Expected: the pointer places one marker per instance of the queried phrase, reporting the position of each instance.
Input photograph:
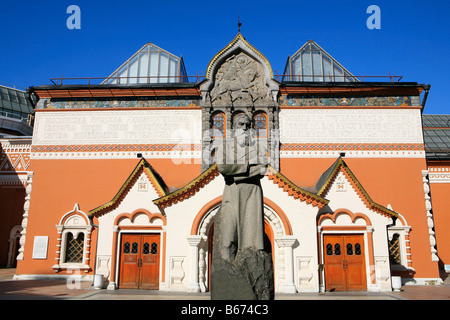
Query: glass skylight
(14, 103)
(150, 64)
(313, 64)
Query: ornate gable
(143, 167)
(209, 175)
(333, 176)
(239, 76)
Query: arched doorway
(138, 249)
(13, 252)
(276, 226)
(346, 251)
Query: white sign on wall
(117, 127)
(40, 247)
(350, 126)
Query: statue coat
(241, 214)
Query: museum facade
(122, 179)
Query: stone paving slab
(62, 290)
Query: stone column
(26, 208)
(287, 242)
(194, 241)
(112, 284)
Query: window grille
(394, 249)
(74, 248)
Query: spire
(239, 24)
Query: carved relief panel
(240, 82)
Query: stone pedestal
(248, 277)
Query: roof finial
(239, 23)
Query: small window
(329, 249)
(146, 248)
(74, 248)
(260, 125)
(154, 248)
(337, 249)
(349, 249)
(134, 247)
(394, 249)
(218, 125)
(357, 249)
(126, 247)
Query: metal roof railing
(331, 78)
(126, 80)
(166, 79)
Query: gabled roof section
(188, 190)
(210, 174)
(142, 166)
(325, 181)
(151, 64)
(235, 58)
(239, 38)
(311, 63)
(295, 191)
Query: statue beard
(242, 138)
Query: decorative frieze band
(117, 151)
(351, 150)
(350, 147)
(57, 104)
(193, 151)
(350, 101)
(439, 175)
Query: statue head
(242, 129)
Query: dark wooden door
(344, 262)
(139, 261)
(149, 277)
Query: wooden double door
(344, 262)
(139, 261)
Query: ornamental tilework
(109, 104)
(350, 146)
(117, 148)
(349, 101)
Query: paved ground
(59, 290)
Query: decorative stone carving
(305, 274)
(430, 220)
(26, 208)
(239, 79)
(177, 272)
(240, 82)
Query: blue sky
(413, 40)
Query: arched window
(260, 124)
(73, 242)
(218, 125)
(394, 249)
(399, 245)
(74, 248)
